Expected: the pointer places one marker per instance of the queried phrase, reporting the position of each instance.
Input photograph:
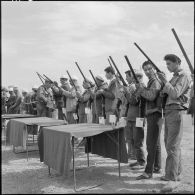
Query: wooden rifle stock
(123, 81)
(183, 51)
(129, 64)
(157, 69)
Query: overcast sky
(48, 37)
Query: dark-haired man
(153, 115)
(134, 135)
(177, 90)
(109, 93)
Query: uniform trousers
(135, 138)
(153, 145)
(172, 139)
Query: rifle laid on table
(183, 51)
(102, 96)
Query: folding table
(20, 128)
(6, 117)
(58, 148)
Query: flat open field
(20, 176)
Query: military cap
(4, 89)
(24, 91)
(74, 78)
(63, 77)
(35, 87)
(11, 89)
(99, 78)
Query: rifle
(71, 80)
(123, 81)
(129, 64)
(94, 78)
(157, 69)
(40, 77)
(80, 71)
(183, 51)
(103, 98)
(51, 81)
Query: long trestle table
(57, 145)
(20, 128)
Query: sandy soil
(20, 176)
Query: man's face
(108, 75)
(63, 81)
(47, 84)
(86, 85)
(128, 78)
(74, 81)
(172, 66)
(149, 70)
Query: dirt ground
(20, 176)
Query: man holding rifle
(109, 93)
(134, 135)
(153, 115)
(98, 103)
(45, 100)
(177, 89)
(84, 100)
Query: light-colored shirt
(177, 88)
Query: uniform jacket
(110, 96)
(151, 95)
(178, 90)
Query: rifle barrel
(71, 80)
(80, 70)
(40, 77)
(123, 81)
(129, 64)
(183, 51)
(157, 69)
(94, 78)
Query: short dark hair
(172, 58)
(128, 72)
(109, 69)
(146, 63)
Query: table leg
(49, 170)
(119, 167)
(87, 152)
(27, 143)
(73, 162)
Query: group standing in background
(102, 99)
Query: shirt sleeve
(41, 95)
(152, 92)
(177, 90)
(110, 92)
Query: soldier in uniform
(60, 98)
(4, 100)
(98, 104)
(45, 100)
(84, 100)
(134, 135)
(71, 101)
(15, 108)
(109, 93)
(25, 104)
(11, 100)
(33, 101)
(177, 90)
(153, 115)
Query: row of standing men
(135, 100)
